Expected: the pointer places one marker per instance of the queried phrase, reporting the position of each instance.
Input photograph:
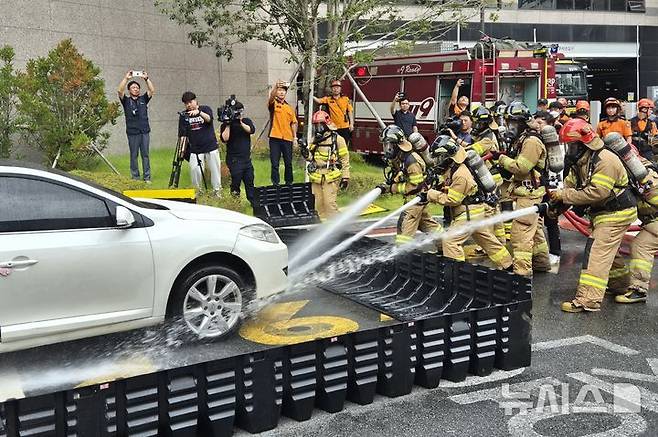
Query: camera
(231, 110)
(453, 123)
(401, 96)
(137, 73)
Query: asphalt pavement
(591, 373)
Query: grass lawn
(364, 177)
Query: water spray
(347, 243)
(315, 238)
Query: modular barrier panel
(286, 205)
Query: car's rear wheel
(210, 300)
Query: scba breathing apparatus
(445, 151)
(321, 132)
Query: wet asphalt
(579, 363)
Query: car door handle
(18, 264)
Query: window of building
(583, 5)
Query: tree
(294, 26)
(63, 101)
(8, 101)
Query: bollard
(332, 374)
(299, 381)
(363, 360)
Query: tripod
(179, 155)
(203, 176)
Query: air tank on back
(421, 147)
(553, 149)
(480, 171)
(615, 142)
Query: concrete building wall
(120, 35)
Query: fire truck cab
(427, 80)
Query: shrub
(8, 101)
(63, 100)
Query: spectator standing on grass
(196, 123)
(237, 136)
(283, 132)
(135, 108)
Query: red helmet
(645, 103)
(577, 129)
(582, 104)
(611, 101)
(320, 117)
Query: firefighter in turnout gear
(597, 180)
(406, 177)
(485, 140)
(328, 164)
(461, 193)
(645, 244)
(644, 130)
(526, 161)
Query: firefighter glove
(344, 183)
(422, 196)
(495, 154)
(555, 195)
(542, 209)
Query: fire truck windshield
(571, 84)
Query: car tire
(214, 314)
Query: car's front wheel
(210, 300)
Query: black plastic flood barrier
(251, 391)
(286, 205)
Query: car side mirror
(125, 218)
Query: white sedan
(78, 260)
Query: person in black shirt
(196, 123)
(137, 122)
(403, 117)
(237, 136)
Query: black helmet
(445, 152)
(517, 111)
(482, 118)
(391, 138)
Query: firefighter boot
(632, 296)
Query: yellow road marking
(275, 325)
(384, 318)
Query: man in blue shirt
(137, 121)
(403, 117)
(237, 136)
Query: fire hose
(582, 226)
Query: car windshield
(571, 83)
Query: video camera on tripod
(453, 123)
(231, 111)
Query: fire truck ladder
(489, 81)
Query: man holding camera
(137, 121)
(340, 110)
(403, 117)
(196, 123)
(283, 133)
(236, 133)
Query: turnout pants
(601, 255)
(413, 219)
(485, 238)
(498, 228)
(325, 197)
(643, 250)
(528, 241)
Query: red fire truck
(428, 80)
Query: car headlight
(260, 232)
